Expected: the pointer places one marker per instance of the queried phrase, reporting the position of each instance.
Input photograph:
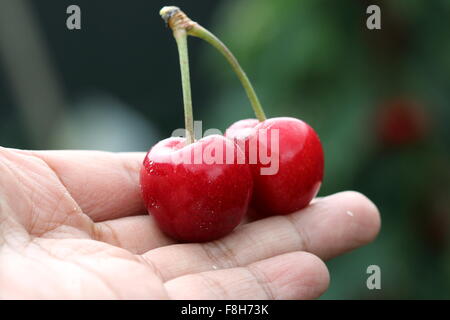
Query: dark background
(379, 100)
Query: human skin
(73, 226)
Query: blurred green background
(379, 100)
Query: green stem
(178, 20)
(181, 39)
(202, 33)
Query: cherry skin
(195, 200)
(300, 163)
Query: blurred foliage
(123, 51)
(316, 60)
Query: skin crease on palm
(73, 226)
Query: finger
(105, 185)
(297, 275)
(136, 234)
(328, 227)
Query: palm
(72, 225)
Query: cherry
(295, 173)
(191, 201)
(401, 122)
(296, 148)
(191, 188)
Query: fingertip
(316, 279)
(339, 223)
(297, 275)
(365, 212)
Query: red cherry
(195, 200)
(401, 122)
(295, 178)
(300, 163)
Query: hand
(73, 226)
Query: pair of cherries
(196, 199)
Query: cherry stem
(177, 19)
(202, 33)
(181, 39)
(180, 36)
